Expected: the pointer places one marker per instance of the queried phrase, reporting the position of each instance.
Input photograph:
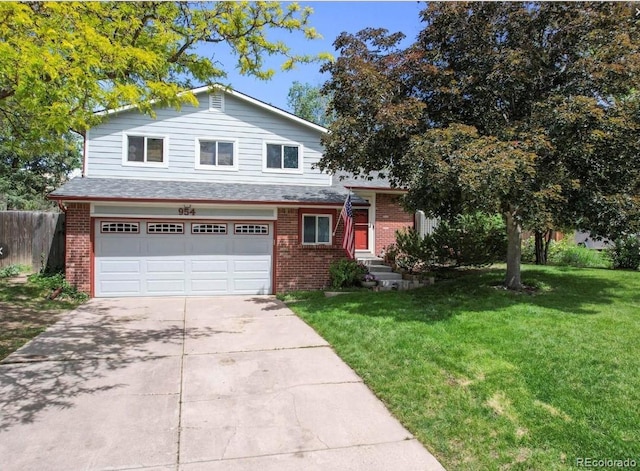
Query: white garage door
(156, 258)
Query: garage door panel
(251, 286)
(210, 266)
(209, 244)
(182, 264)
(256, 245)
(163, 266)
(209, 287)
(175, 286)
(119, 287)
(118, 246)
(251, 266)
(165, 245)
(119, 266)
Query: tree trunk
(543, 240)
(541, 258)
(514, 249)
(547, 243)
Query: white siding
(243, 122)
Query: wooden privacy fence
(32, 238)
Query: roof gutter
(378, 189)
(88, 199)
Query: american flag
(348, 239)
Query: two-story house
(222, 198)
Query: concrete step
(379, 268)
(387, 276)
(370, 260)
(400, 285)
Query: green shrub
(471, 240)
(565, 252)
(414, 253)
(582, 257)
(625, 252)
(345, 273)
(529, 250)
(390, 253)
(9, 271)
(54, 281)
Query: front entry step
(386, 277)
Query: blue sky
(329, 19)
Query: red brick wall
(298, 266)
(78, 246)
(390, 216)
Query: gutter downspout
(84, 154)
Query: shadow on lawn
(76, 356)
(570, 292)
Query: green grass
(567, 253)
(490, 379)
(26, 312)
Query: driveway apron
(224, 383)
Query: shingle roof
(149, 190)
(343, 179)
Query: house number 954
(186, 211)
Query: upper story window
(282, 158)
(219, 154)
(316, 229)
(145, 150)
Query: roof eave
(89, 199)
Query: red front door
(361, 223)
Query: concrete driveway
(225, 383)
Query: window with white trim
(165, 228)
(145, 150)
(216, 154)
(283, 157)
(261, 229)
(316, 229)
(208, 228)
(120, 227)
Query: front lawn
(489, 379)
(25, 311)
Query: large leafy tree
(525, 109)
(62, 61)
(26, 177)
(308, 102)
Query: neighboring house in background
(222, 198)
(590, 242)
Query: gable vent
(216, 101)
